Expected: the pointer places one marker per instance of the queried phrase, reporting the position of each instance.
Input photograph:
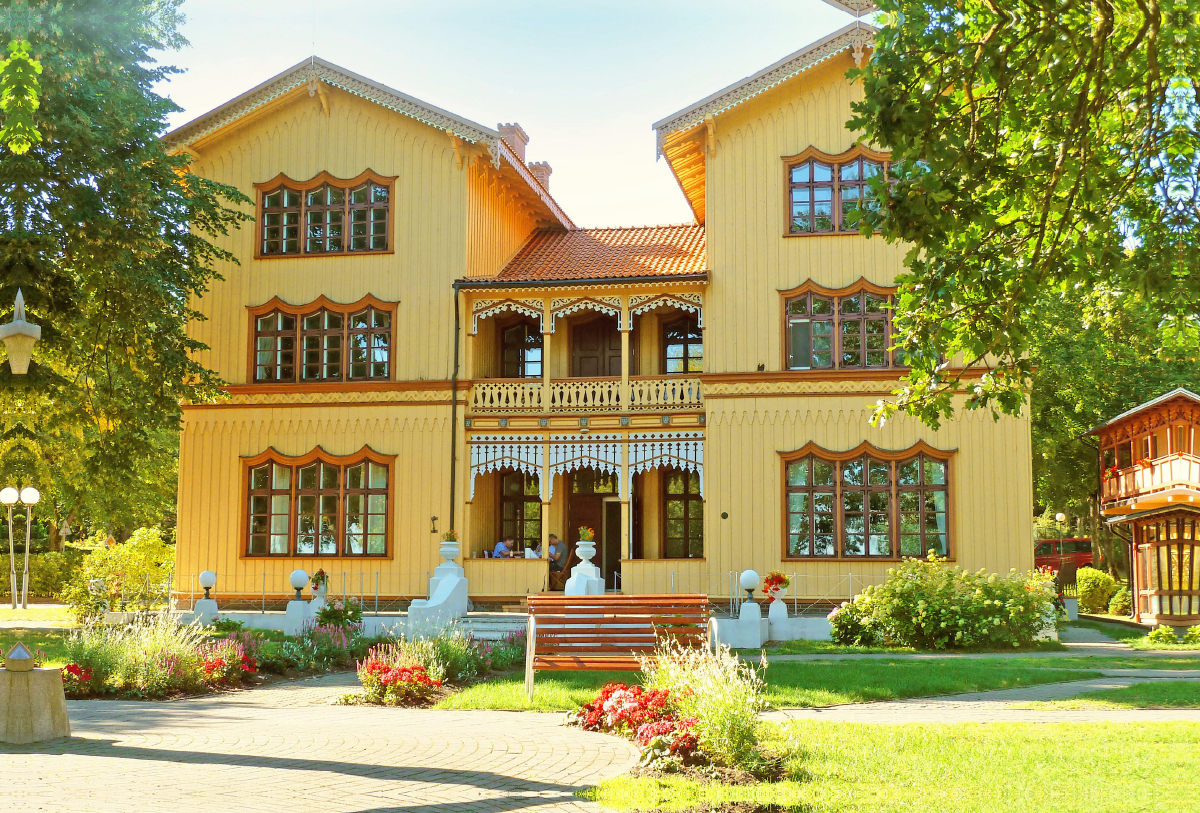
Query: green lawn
(37, 613)
(49, 641)
(805, 647)
(961, 768)
(1157, 694)
(1131, 661)
(1117, 632)
(789, 684)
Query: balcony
(1156, 481)
(590, 395)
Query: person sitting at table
(558, 554)
(504, 548)
(534, 551)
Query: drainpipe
(454, 411)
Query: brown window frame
(304, 189)
(522, 503)
(347, 311)
(691, 328)
(687, 498)
(523, 364)
(294, 492)
(856, 156)
(809, 292)
(864, 453)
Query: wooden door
(611, 559)
(596, 349)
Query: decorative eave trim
(323, 177)
(866, 447)
(499, 285)
(857, 36)
(315, 67)
(270, 454)
(504, 151)
(861, 284)
(322, 302)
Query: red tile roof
(641, 251)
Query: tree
(1039, 148)
(110, 239)
(1094, 357)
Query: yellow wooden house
(419, 338)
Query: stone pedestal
(33, 706)
(205, 610)
(748, 631)
(298, 614)
(447, 595)
(585, 579)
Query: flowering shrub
(77, 680)
(396, 685)
(1163, 634)
(669, 743)
(720, 692)
(502, 654)
(324, 646)
(623, 709)
(1096, 589)
(1192, 636)
(339, 613)
(225, 662)
(928, 605)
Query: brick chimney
(541, 170)
(515, 137)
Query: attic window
(823, 190)
(325, 215)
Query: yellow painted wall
(211, 489)
(497, 225)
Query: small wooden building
(1150, 475)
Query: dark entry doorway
(596, 349)
(610, 560)
(592, 502)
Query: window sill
(326, 255)
(853, 559)
(807, 234)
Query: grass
(37, 613)
(1117, 632)
(789, 685)
(50, 641)
(1156, 694)
(1150, 646)
(960, 768)
(805, 647)
(1132, 661)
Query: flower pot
(776, 593)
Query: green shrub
(1192, 636)
(1096, 588)
(927, 605)
(722, 692)
(324, 646)
(1121, 603)
(49, 573)
(339, 613)
(133, 575)
(154, 658)
(1163, 634)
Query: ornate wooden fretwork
(653, 450)
(483, 308)
(610, 305)
(690, 302)
(571, 452)
(497, 452)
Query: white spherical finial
(30, 495)
(1060, 517)
(208, 579)
(298, 579)
(9, 496)
(749, 580)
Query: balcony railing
(584, 394)
(671, 392)
(1148, 476)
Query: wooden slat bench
(594, 633)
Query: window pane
(822, 473)
(852, 472)
(907, 473)
(801, 173)
(800, 345)
(822, 173)
(935, 472)
(798, 473)
(822, 306)
(849, 171)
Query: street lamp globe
(208, 580)
(30, 495)
(9, 496)
(1060, 517)
(298, 580)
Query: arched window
(812, 196)
(325, 215)
(281, 221)
(368, 217)
(275, 347)
(849, 328)
(824, 190)
(322, 341)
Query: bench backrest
(609, 625)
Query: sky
(586, 80)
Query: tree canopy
(110, 238)
(1040, 149)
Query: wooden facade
(652, 383)
(1150, 487)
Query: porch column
(626, 489)
(544, 483)
(626, 326)
(546, 316)
(464, 534)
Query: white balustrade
(585, 395)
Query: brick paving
(285, 747)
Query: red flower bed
(623, 709)
(396, 685)
(77, 680)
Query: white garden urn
(585, 577)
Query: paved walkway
(285, 748)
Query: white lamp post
(19, 336)
(9, 497)
(30, 497)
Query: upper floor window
(521, 351)
(824, 189)
(318, 506)
(865, 506)
(325, 215)
(849, 329)
(330, 343)
(683, 346)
